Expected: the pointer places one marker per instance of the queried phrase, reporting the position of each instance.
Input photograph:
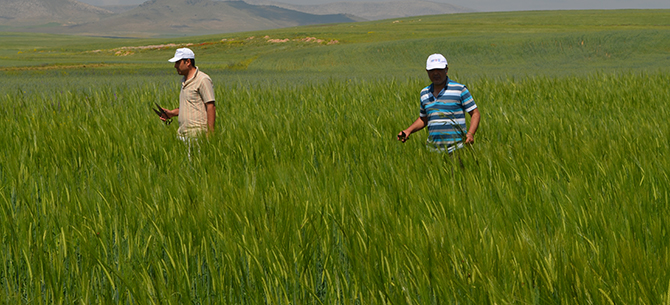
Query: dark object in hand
(402, 137)
(162, 114)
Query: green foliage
(303, 195)
(496, 45)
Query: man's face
(182, 66)
(438, 76)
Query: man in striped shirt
(443, 107)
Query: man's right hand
(170, 113)
(402, 136)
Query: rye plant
(303, 195)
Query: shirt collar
(185, 82)
(432, 86)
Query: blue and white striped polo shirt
(446, 114)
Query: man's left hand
(469, 139)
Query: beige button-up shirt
(195, 93)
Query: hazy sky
(484, 5)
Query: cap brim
(174, 59)
(436, 67)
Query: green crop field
(303, 195)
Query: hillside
(488, 43)
(192, 17)
(118, 8)
(374, 10)
(171, 18)
(34, 12)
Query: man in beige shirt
(197, 109)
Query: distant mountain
(31, 12)
(186, 17)
(373, 10)
(196, 17)
(118, 8)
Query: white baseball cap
(183, 53)
(436, 61)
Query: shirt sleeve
(422, 105)
(207, 90)
(467, 101)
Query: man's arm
(419, 124)
(211, 116)
(474, 124)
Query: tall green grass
(303, 196)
